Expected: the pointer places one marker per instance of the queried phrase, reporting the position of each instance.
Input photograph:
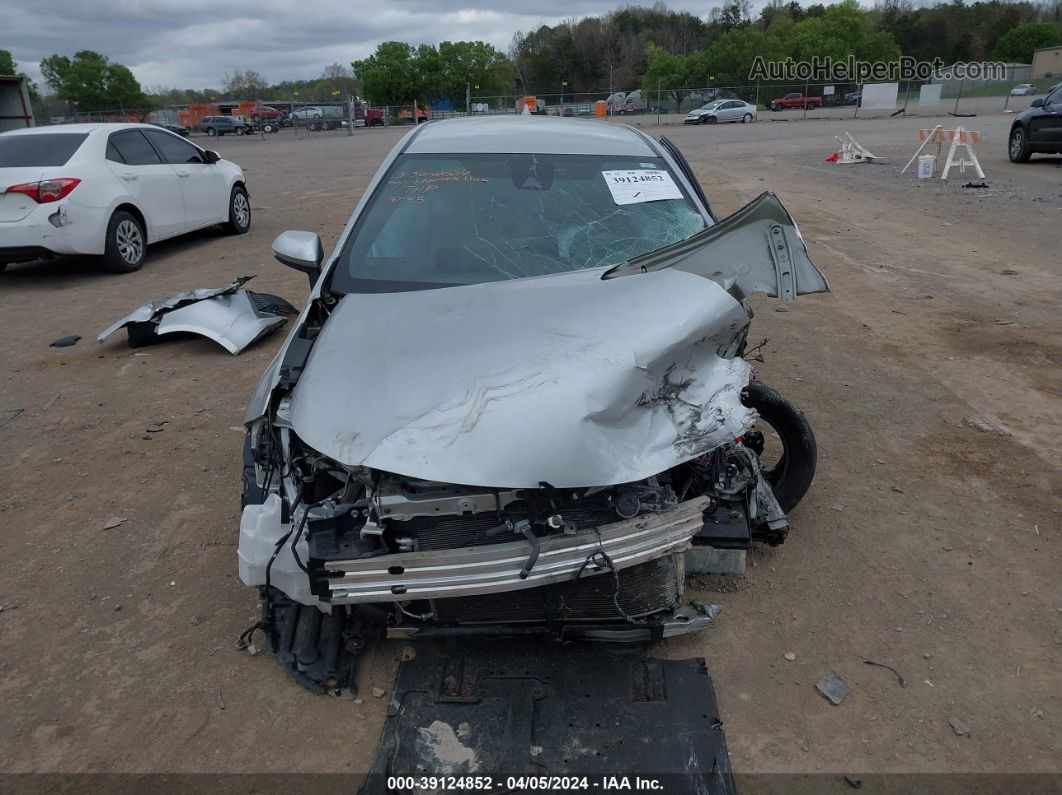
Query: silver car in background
(719, 110)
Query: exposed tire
(239, 211)
(713, 119)
(1018, 146)
(811, 106)
(126, 244)
(268, 128)
(792, 474)
(211, 132)
(746, 119)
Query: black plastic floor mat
(506, 711)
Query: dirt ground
(930, 540)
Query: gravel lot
(930, 540)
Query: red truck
(795, 101)
(364, 116)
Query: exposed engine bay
(614, 429)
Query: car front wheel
(126, 244)
(790, 474)
(239, 211)
(1018, 148)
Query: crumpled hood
(569, 380)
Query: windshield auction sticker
(641, 185)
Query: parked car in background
(719, 110)
(110, 190)
(1023, 90)
(266, 113)
(178, 129)
(309, 112)
(795, 100)
(219, 125)
(1037, 129)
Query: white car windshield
(711, 105)
(450, 219)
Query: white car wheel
(746, 119)
(125, 244)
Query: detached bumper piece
(230, 316)
(516, 710)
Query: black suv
(1038, 129)
(219, 125)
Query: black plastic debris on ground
(508, 709)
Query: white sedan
(722, 110)
(110, 190)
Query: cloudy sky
(194, 43)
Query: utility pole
(611, 95)
(468, 99)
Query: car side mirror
(301, 251)
(1037, 103)
(212, 157)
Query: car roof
(519, 134)
(84, 127)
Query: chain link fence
(662, 106)
(808, 99)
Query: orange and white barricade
(960, 153)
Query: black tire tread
(112, 261)
(231, 226)
(795, 471)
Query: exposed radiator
(645, 588)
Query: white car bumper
(55, 228)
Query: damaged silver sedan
(516, 402)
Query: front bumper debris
(229, 315)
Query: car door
(732, 109)
(204, 187)
(151, 183)
(1045, 127)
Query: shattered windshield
(443, 220)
